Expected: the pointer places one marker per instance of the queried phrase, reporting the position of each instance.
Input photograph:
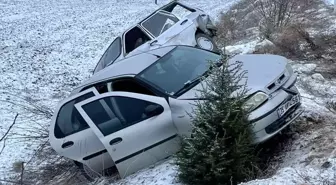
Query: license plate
(289, 104)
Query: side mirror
(153, 110)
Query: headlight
(255, 101)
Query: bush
(289, 41)
(219, 150)
(295, 42)
(275, 15)
(237, 23)
(331, 105)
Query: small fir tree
(219, 150)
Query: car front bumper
(266, 123)
(277, 125)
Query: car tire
(205, 42)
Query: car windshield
(160, 22)
(175, 70)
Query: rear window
(68, 120)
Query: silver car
(173, 24)
(132, 113)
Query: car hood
(262, 70)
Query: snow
(304, 175)
(163, 173)
(242, 48)
(49, 47)
(331, 2)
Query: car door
(137, 130)
(160, 18)
(71, 136)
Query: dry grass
(304, 37)
(331, 105)
(45, 165)
(240, 22)
(290, 24)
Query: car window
(171, 72)
(159, 22)
(120, 112)
(68, 120)
(110, 55)
(134, 38)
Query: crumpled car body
(173, 24)
(133, 113)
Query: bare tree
(275, 14)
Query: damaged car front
(173, 24)
(178, 24)
(273, 99)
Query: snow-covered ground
(48, 47)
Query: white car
(172, 24)
(132, 113)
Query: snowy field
(49, 47)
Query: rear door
(137, 130)
(71, 136)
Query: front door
(137, 130)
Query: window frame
(175, 4)
(182, 6)
(79, 107)
(163, 12)
(62, 104)
(149, 86)
(124, 37)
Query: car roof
(129, 66)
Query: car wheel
(205, 42)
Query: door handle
(67, 144)
(183, 22)
(115, 141)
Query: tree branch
(10, 127)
